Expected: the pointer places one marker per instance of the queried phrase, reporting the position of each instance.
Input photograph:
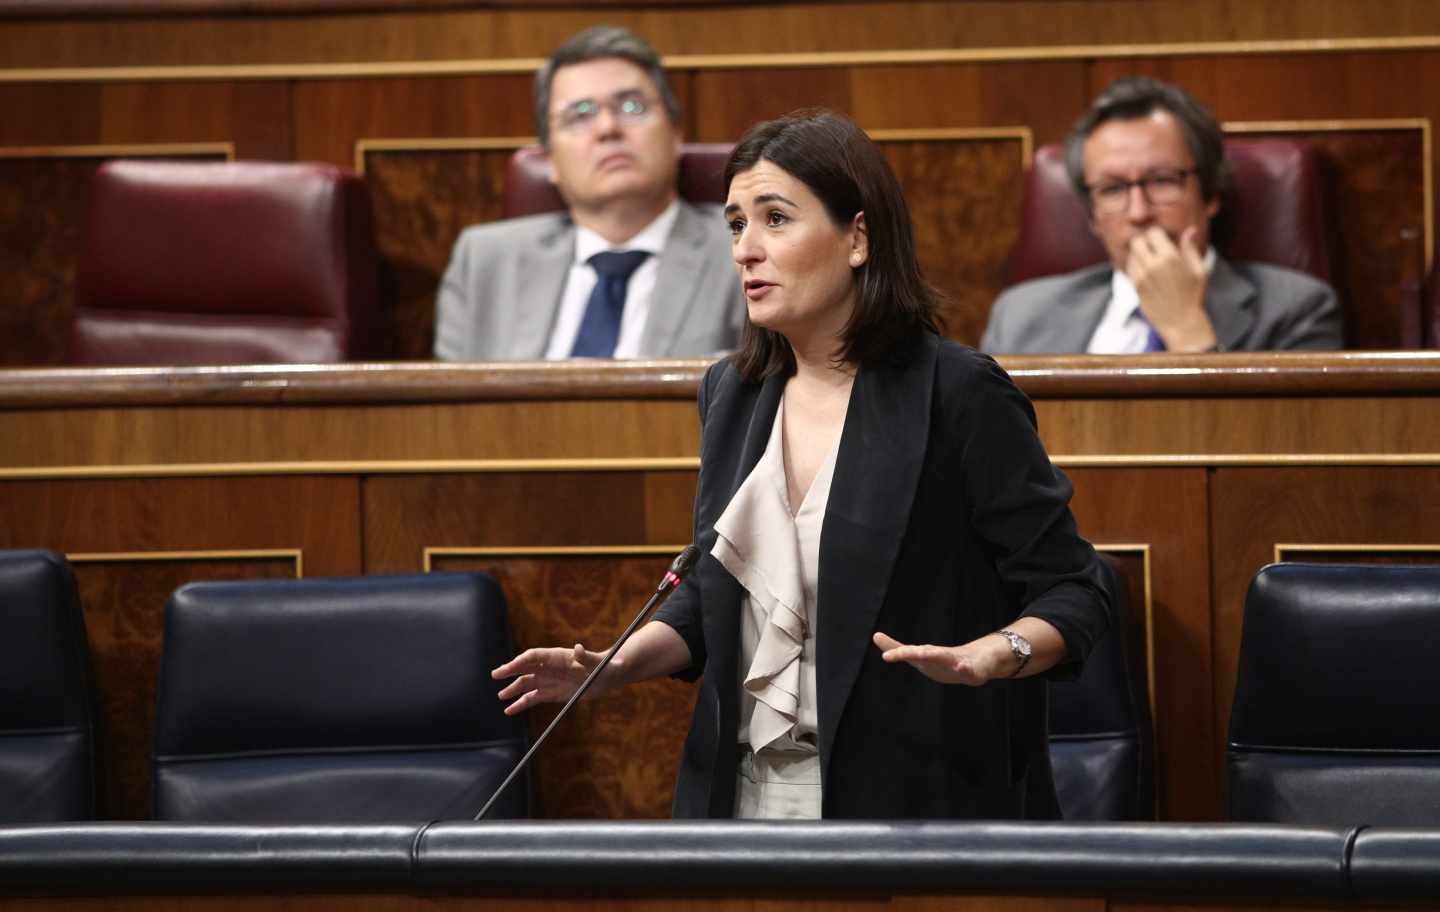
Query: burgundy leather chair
(1274, 213)
(528, 190)
(226, 263)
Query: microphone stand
(679, 569)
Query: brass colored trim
(443, 144)
(1143, 549)
(269, 71)
(120, 150)
(358, 467)
(1282, 548)
(1357, 125)
(100, 557)
(1230, 460)
(1024, 134)
(430, 553)
(658, 464)
(528, 65)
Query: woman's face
(796, 265)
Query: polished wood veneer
(573, 482)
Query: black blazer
(945, 522)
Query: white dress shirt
(1120, 330)
(638, 292)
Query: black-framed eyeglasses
(1160, 188)
(579, 116)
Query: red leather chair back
(528, 190)
(1274, 213)
(226, 263)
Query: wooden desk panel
(1192, 468)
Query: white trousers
(778, 785)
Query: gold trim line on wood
(527, 65)
(1231, 460)
(1143, 549)
(428, 554)
(442, 144)
(659, 464)
(98, 557)
(118, 150)
(1356, 125)
(359, 467)
(1312, 547)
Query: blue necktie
(1153, 342)
(600, 327)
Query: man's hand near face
(1171, 281)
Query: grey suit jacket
(1253, 307)
(501, 292)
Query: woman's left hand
(972, 664)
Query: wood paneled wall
(521, 30)
(965, 189)
(315, 86)
(573, 484)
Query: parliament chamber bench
(716, 865)
(572, 485)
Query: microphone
(679, 569)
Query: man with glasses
(1149, 163)
(630, 270)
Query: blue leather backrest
(366, 699)
(46, 728)
(1337, 703)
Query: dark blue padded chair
(334, 700)
(1336, 717)
(1101, 747)
(47, 767)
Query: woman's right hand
(550, 675)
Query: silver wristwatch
(1019, 647)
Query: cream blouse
(774, 554)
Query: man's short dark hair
(598, 43)
(1135, 97)
(834, 158)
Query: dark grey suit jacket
(946, 521)
(501, 292)
(1253, 307)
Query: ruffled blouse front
(775, 555)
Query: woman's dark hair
(838, 162)
(1134, 97)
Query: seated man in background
(1148, 161)
(630, 270)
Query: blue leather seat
(47, 767)
(1101, 747)
(334, 700)
(1336, 717)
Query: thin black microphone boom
(679, 569)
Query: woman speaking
(889, 556)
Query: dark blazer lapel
(737, 429)
(882, 450)
(1228, 301)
